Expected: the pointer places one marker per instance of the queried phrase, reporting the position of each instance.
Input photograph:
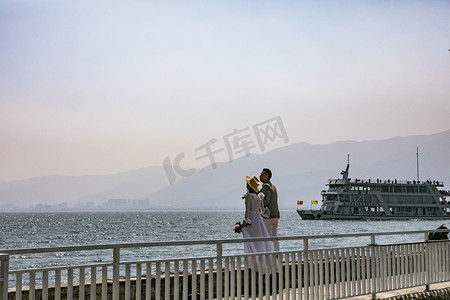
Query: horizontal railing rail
(206, 242)
(306, 271)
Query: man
(271, 202)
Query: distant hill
(300, 172)
(72, 189)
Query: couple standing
(261, 213)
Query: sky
(102, 87)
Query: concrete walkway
(402, 292)
(419, 289)
(386, 295)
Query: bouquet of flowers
(238, 226)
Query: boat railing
(386, 181)
(364, 263)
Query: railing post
(427, 262)
(373, 265)
(116, 273)
(305, 269)
(219, 270)
(4, 275)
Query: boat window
(407, 199)
(398, 189)
(385, 189)
(328, 207)
(359, 188)
(387, 198)
(423, 189)
(428, 200)
(329, 197)
(413, 199)
(375, 188)
(336, 188)
(404, 209)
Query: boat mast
(417, 153)
(345, 173)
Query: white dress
(253, 207)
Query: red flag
(299, 202)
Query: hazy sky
(104, 87)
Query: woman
(254, 225)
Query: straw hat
(253, 182)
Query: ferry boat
(358, 199)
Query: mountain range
(299, 171)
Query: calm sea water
(36, 230)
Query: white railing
(303, 273)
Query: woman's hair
(250, 190)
